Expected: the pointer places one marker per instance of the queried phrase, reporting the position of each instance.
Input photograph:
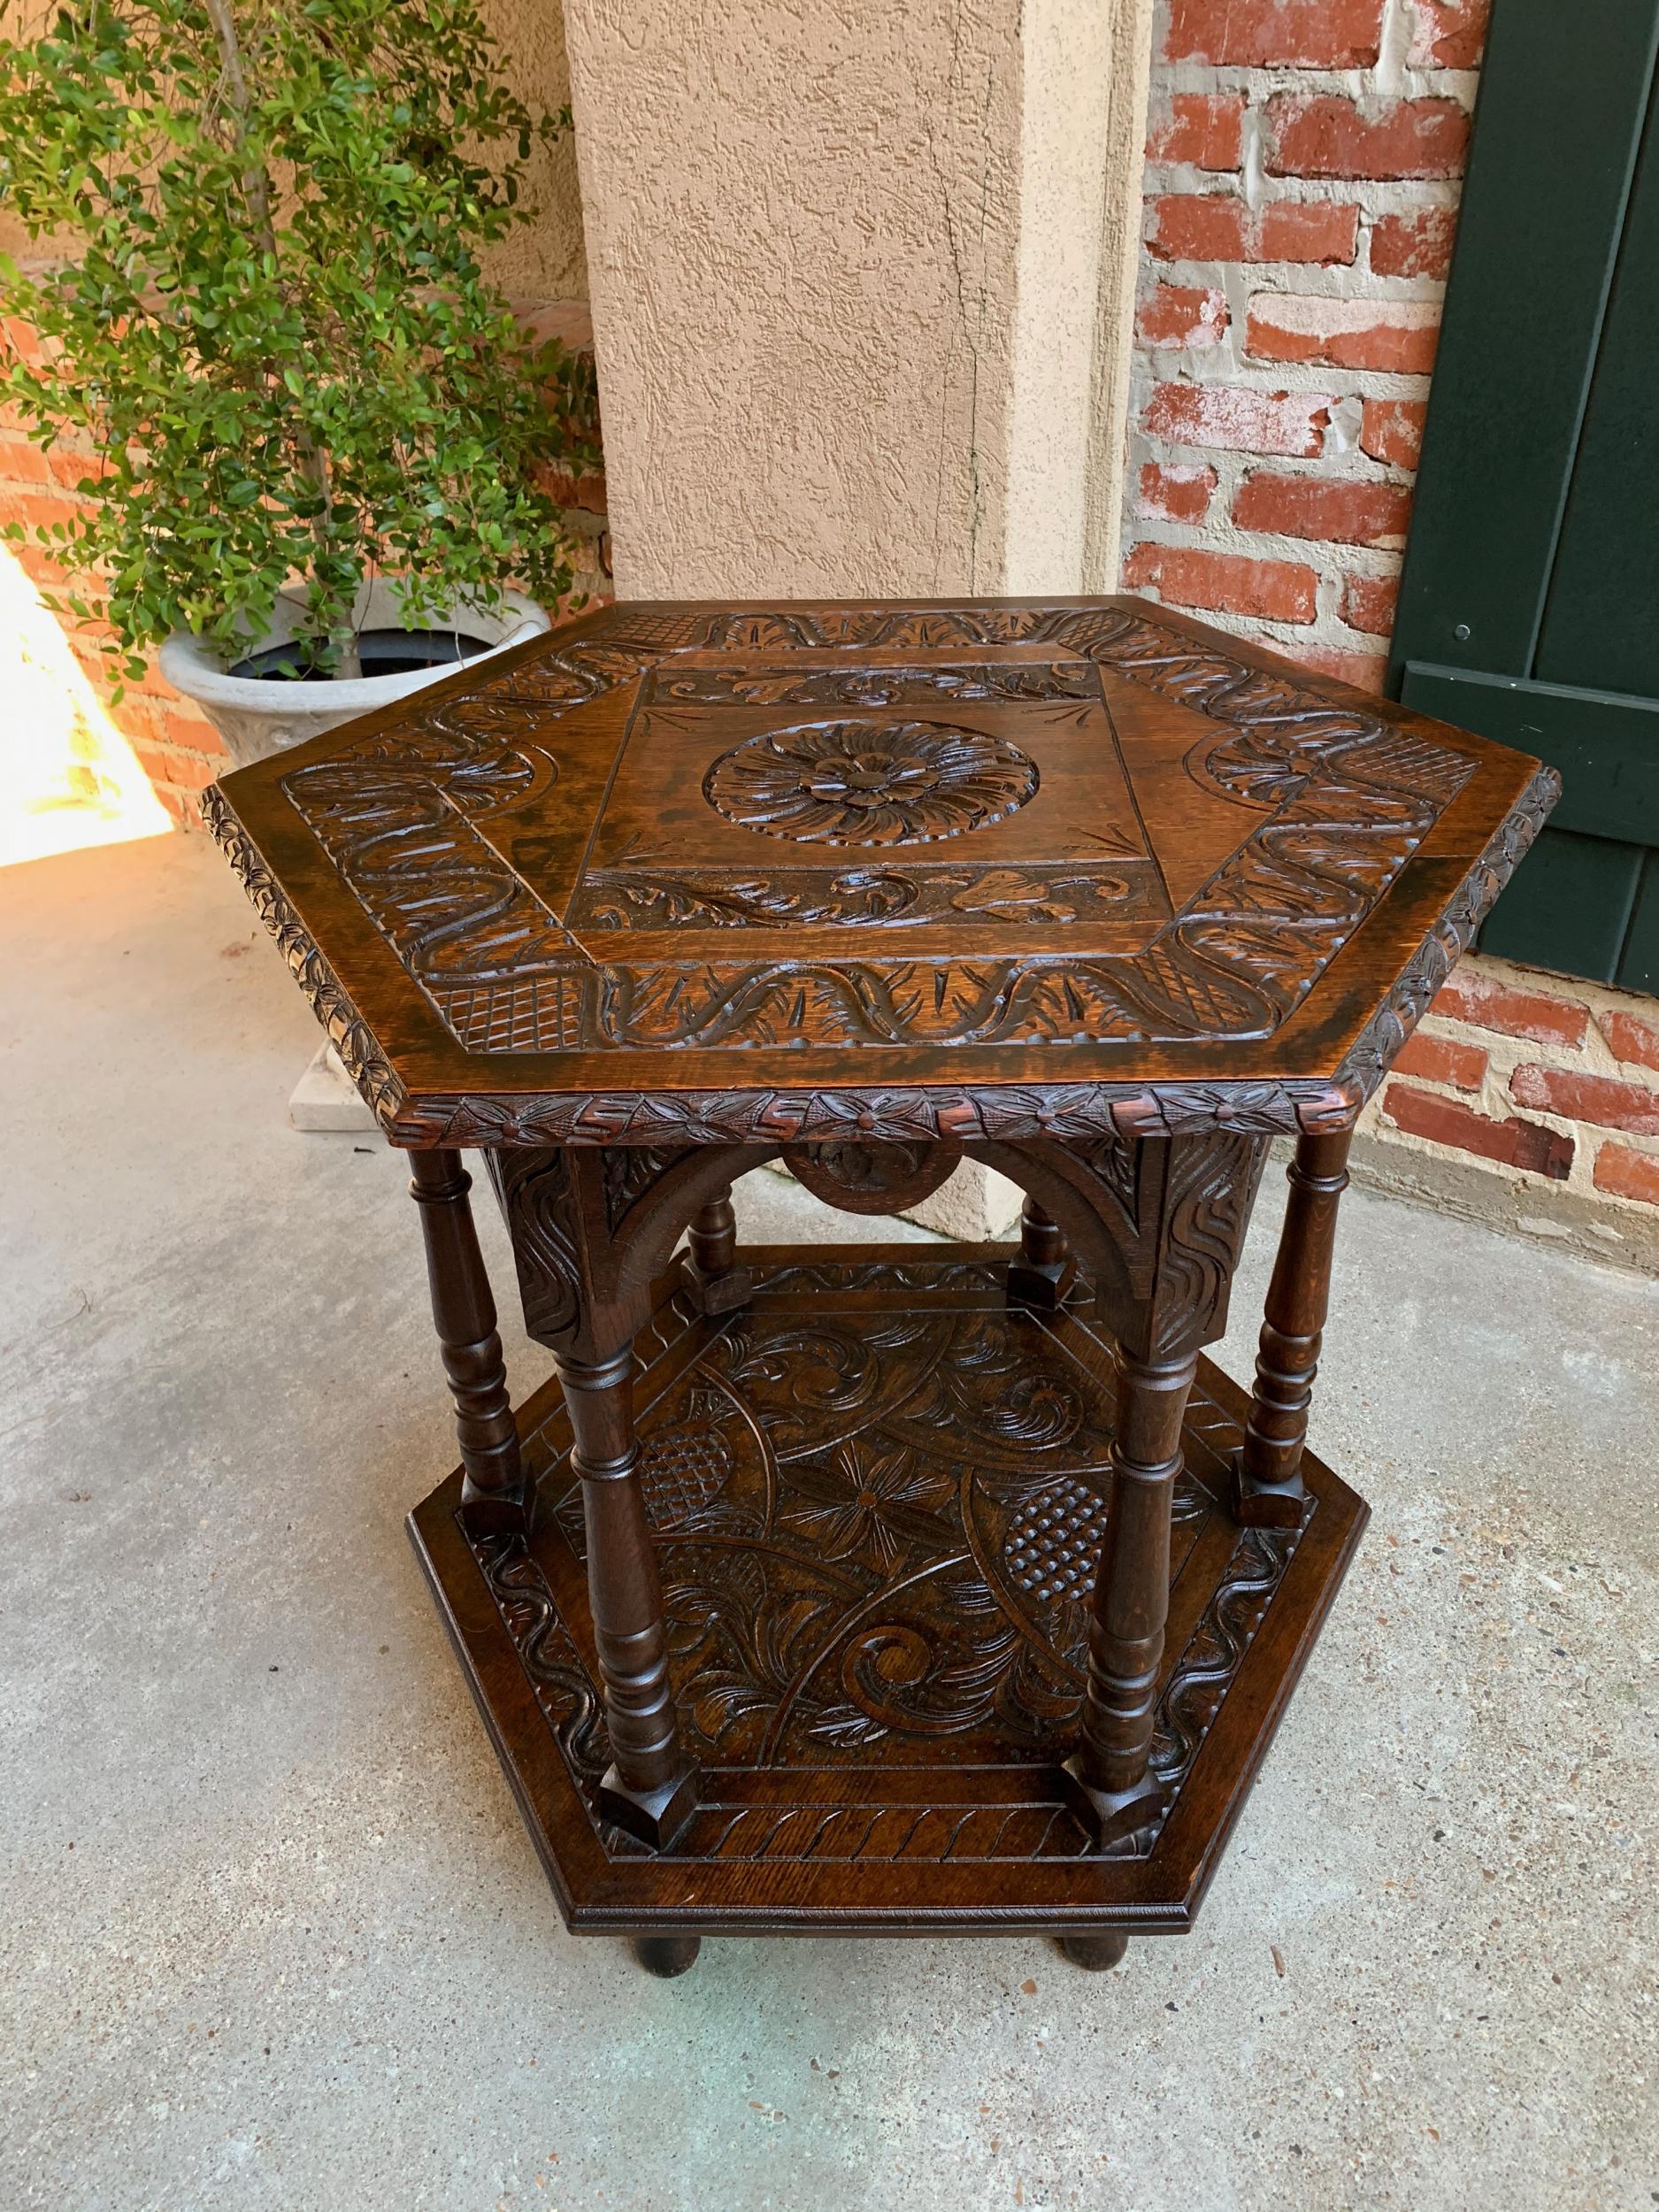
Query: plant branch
(310, 459)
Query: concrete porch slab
(274, 1936)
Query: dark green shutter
(1529, 607)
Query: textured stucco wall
(543, 260)
(798, 216)
(846, 276)
(1083, 111)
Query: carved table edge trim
(776, 1115)
(383, 1091)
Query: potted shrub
(313, 425)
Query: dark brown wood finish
(667, 1957)
(532, 906)
(464, 1314)
(920, 1592)
(1268, 1491)
(1096, 1954)
(648, 1787)
(713, 1279)
(1110, 1766)
(878, 1496)
(1043, 1269)
(1159, 1219)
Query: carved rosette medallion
(859, 1176)
(861, 782)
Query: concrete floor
(273, 1936)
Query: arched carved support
(464, 1313)
(1158, 1222)
(590, 1231)
(1268, 1489)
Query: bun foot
(667, 1956)
(1094, 1954)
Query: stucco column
(862, 279)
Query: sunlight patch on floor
(68, 778)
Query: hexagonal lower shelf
(878, 1494)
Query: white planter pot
(257, 717)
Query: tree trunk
(310, 459)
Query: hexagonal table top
(975, 868)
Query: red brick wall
(1304, 159)
(1303, 164)
(179, 749)
(1546, 1085)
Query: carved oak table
(880, 1590)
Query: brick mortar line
(1375, 564)
(1341, 282)
(1293, 379)
(1378, 196)
(1260, 82)
(1265, 545)
(1231, 466)
(1504, 1053)
(1588, 1140)
(1294, 639)
(1362, 468)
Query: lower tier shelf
(877, 1493)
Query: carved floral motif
(1077, 1111)
(905, 1567)
(1353, 797)
(864, 782)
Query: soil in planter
(382, 652)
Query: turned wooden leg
(1095, 1953)
(1045, 1269)
(1109, 1781)
(667, 1956)
(713, 1280)
(649, 1789)
(1268, 1490)
(463, 1313)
